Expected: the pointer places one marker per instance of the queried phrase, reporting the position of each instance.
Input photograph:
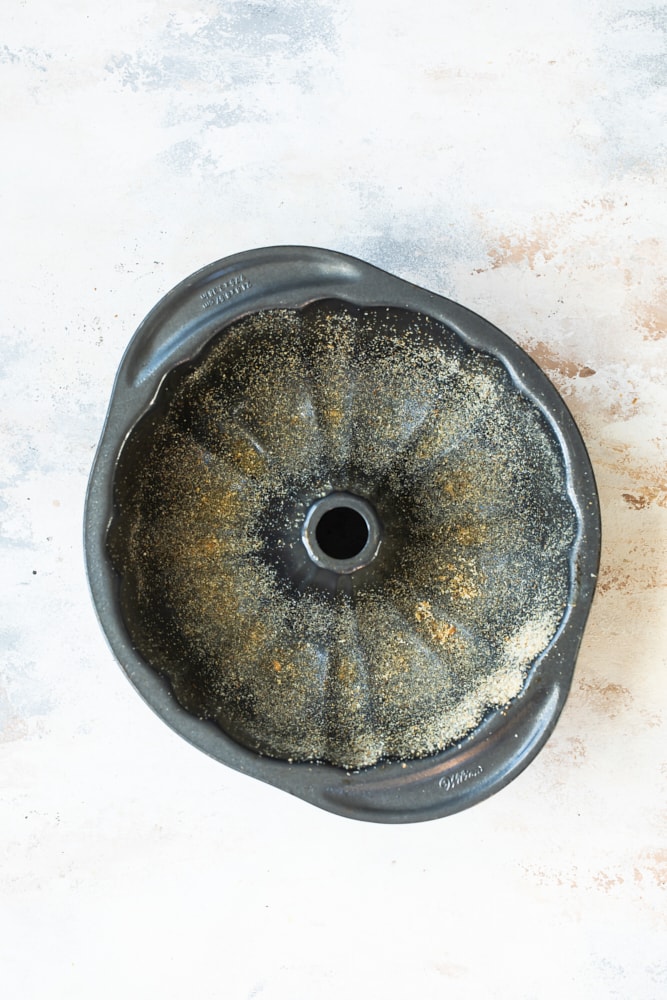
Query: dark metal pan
(342, 534)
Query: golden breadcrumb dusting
(405, 656)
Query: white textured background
(510, 155)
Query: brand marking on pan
(226, 290)
(456, 778)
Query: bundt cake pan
(342, 534)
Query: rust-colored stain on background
(553, 364)
(607, 698)
(653, 319)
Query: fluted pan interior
(464, 483)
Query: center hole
(341, 533)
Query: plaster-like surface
(510, 156)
